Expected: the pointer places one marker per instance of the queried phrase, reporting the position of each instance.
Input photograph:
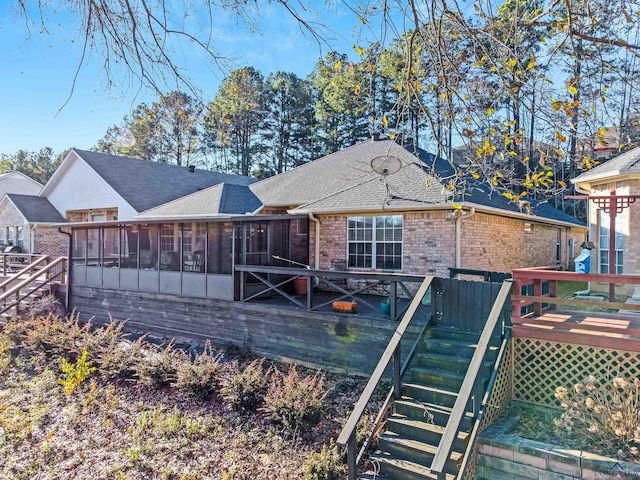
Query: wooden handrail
(23, 271)
(347, 435)
(31, 279)
(469, 384)
(483, 409)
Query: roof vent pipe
(192, 168)
(375, 136)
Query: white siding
(16, 182)
(81, 188)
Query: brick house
(622, 176)
(11, 226)
(94, 187)
(408, 221)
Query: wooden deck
(619, 330)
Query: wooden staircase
(429, 390)
(20, 291)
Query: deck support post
(351, 456)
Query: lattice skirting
(540, 366)
(500, 396)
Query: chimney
(375, 136)
(192, 168)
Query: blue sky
(37, 74)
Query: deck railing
(536, 291)
(347, 438)
(33, 279)
(13, 262)
(334, 285)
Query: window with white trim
(603, 243)
(375, 242)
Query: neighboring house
(408, 221)
(622, 176)
(90, 186)
(16, 182)
(33, 216)
(96, 186)
(19, 183)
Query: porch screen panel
(219, 248)
(148, 252)
(603, 243)
(79, 247)
(169, 247)
(94, 247)
(111, 246)
(129, 241)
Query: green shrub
(75, 373)
(244, 389)
(157, 366)
(324, 465)
(606, 412)
(5, 353)
(200, 377)
(294, 402)
(120, 359)
(55, 337)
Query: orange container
(345, 307)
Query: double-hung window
(375, 242)
(603, 243)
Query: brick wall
(49, 241)
(488, 242)
(85, 215)
(502, 455)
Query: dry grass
(118, 427)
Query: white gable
(16, 182)
(77, 186)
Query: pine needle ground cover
(85, 403)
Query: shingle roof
(627, 163)
(36, 209)
(144, 184)
(344, 181)
(328, 175)
(221, 198)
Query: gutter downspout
(459, 218)
(68, 265)
(316, 260)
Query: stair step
(451, 333)
(443, 361)
(460, 348)
(444, 379)
(426, 394)
(422, 431)
(416, 451)
(397, 469)
(416, 410)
